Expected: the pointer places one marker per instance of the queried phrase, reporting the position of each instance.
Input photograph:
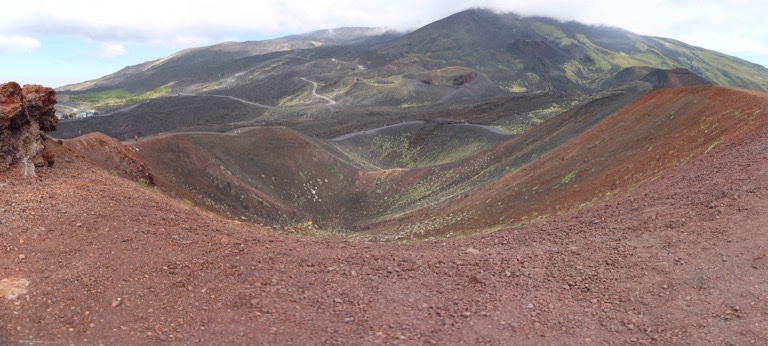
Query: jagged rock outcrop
(26, 115)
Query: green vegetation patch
(513, 87)
(396, 150)
(532, 77)
(414, 104)
(711, 146)
(567, 179)
(114, 98)
(729, 71)
(523, 122)
(573, 71)
(549, 31)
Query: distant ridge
(656, 78)
(504, 47)
(674, 78)
(322, 81)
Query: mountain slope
(659, 131)
(322, 79)
(199, 64)
(504, 47)
(411, 180)
(90, 258)
(561, 55)
(630, 216)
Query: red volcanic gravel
(91, 258)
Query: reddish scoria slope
(280, 177)
(661, 130)
(90, 258)
(264, 175)
(109, 154)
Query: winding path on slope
(315, 94)
(236, 99)
(127, 108)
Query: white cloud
(11, 44)
(165, 21)
(111, 50)
(199, 22)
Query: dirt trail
(315, 94)
(680, 260)
(240, 100)
(231, 97)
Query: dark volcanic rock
(674, 78)
(40, 105)
(25, 116)
(656, 78)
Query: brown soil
(280, 177)
(681, 259)
(107, 153)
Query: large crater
(441, 178)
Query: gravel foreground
(89, 258)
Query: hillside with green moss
(116, 97)
(536, 54)
(323, 80)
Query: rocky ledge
(26, 116)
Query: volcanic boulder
(25, 117)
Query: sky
(60, 42)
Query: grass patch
(114, 98)
(567, 179)
(414, 104)
(551, 32)
(513, 87)
(711, 146)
